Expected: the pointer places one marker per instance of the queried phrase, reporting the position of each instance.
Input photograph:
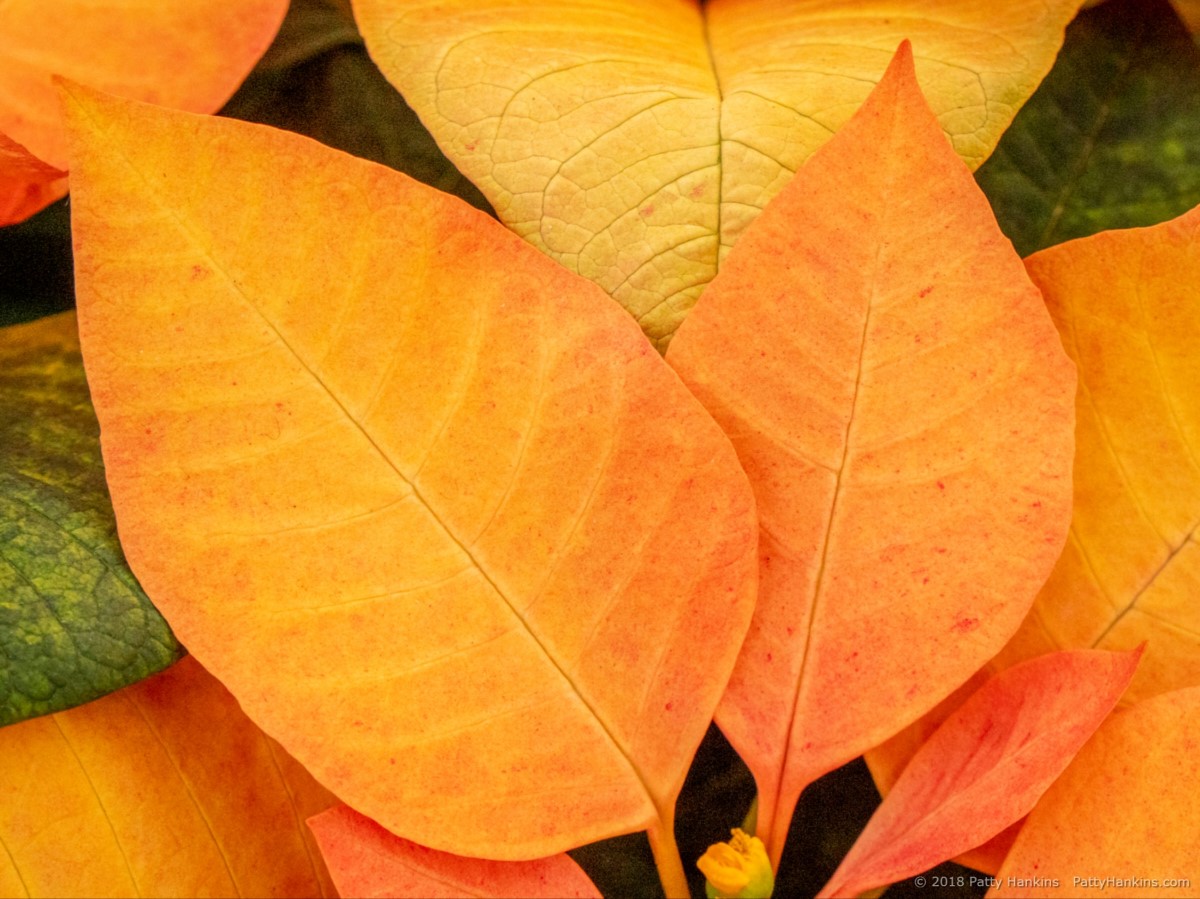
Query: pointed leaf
(191, 54)
(633, 141)
(1131, 569)
(901, 403)
(426, 502)
(1112, 137)
(74, 624)
(366, 860)
(986, 767)
(162, 789)
(26, 183)
(1121, 821)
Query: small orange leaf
(190, 54)
(634, 140)
(429, 504)
(1122, 820)
(26, 183)
(986, 766)
(901, 403)
(366, 860)
(164, 788)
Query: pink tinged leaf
(366, 860)
(899, 397)
(987, 765)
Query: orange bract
(191, 54)
(365, 860)
(1131, 569)
(1122, 815)
(901, 403)
(986, 766)
(429, 504)
(634, 140)
(164, 788)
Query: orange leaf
(26, 183)
(901, 403)
(1131, 569)
(634, 140)
(426, 502)
(366, 860)
(161, 789)
(986, 766)
(1122, 815)
(190, 54)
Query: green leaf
(317, 80)
(1111, 139)
(74, 624)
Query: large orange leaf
(633, 140)
(1125, 304)
(986, 766)
(901, 403)
(191, 54)
(164, 788)
(1122, 820)
(366, 860)
(429, 504)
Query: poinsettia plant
(741, 406)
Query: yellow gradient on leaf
(164, 788)
(1125, 303)
(366, 860)
(190, 54)
(1122, 815)
(429, 504)
(633, 140)
(902, 405)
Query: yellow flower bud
(738, 869)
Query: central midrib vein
(185, 228)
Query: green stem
(666, 858)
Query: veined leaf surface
(986, 766)
(164, 788)
(366, 860)
(74, 624)
(1123, 814)
(1126, 309)
(191, 54)
(429, 504)
(634, 140)
(901, 403)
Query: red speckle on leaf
(669, 706)
(770, 657)
(696, 192)
(965, 625)
(925, 290)
(646, 211)
(941, 486)
(200, 272)
(470, 148)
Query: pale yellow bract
(634, 140)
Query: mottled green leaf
(1111, 139)
(74, 624)
(316, 79)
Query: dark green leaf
(74, 624)
(1111, 139)
(317, 80)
